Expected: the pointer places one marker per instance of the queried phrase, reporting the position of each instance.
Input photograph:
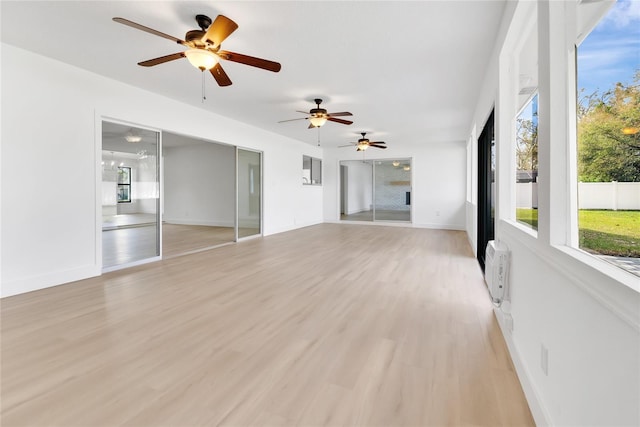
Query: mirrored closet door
(130, 195)
(375, 190)
(249, 190)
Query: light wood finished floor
(334, 324)
(178, 239)
(125, 245)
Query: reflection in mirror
(356, 190)
(130, 194)
(375, 190)
(249, 193)
(392, 191)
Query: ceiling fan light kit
(201, 58)
(132, 136)
(317, 121)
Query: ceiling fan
(319, 116)
(364, 143)
(203, 47)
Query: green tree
(527, 144)
(527, 137)
(608, 134)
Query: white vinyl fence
(591, 195)
(609, 195)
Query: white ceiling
(410, 72)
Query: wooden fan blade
(349, 145)
(221, 28)
(148, 30)
(221, 77)
(344, 122)
(291, 120)
(162, 59)
(377, 142)
(343, 113)
(377, 146)
(303, 112)
(250, 60)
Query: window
(124, 184)
(608, 138)
(526, 125)
(527, 164)
(311, 171)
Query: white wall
(51, 131)
(438, 176)
(583, 310)
(199, 184)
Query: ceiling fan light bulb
(201, 58)
(133, 138)
(396, 163)
(318, 121)
(362, 147)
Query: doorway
(198, 208)
(486, 187)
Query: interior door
(130, 195)
(249, 193)
(392, 190)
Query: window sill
(616, 273)
(523, 228)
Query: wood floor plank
(334, 324)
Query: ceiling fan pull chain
(318, 136)
(204, 98)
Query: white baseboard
(456, 227)
(34, 283)
(540, 414)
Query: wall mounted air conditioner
(496, 269)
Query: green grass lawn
(603, 232)
(528, 216)
(610, 232)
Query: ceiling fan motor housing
(194, 37)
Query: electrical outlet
(508, 320)
(544, 359)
